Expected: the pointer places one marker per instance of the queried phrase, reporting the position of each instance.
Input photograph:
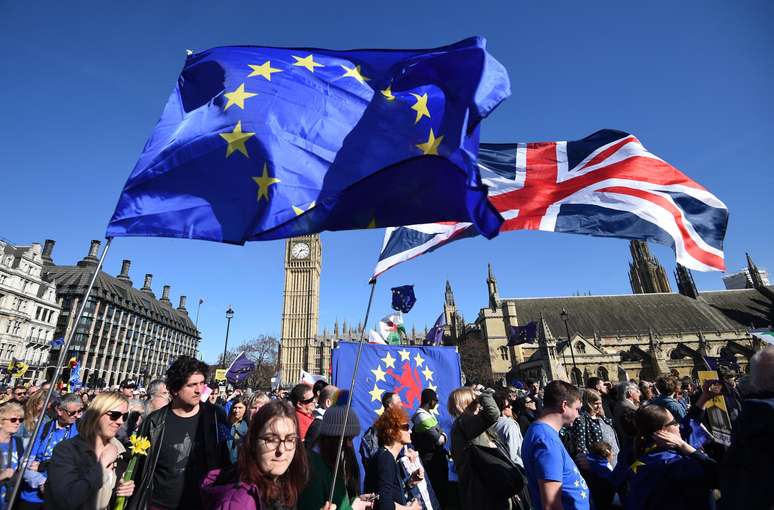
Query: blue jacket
(50, 435)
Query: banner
(220, 374)
(717, 411)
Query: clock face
(300, 251)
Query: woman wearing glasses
(271, 469)
(82, 472)
(11, 448)
(383, 473)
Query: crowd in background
(633, 445)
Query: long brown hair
(649, 419)
(290, 484)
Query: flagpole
(57, 373)
(351, 390)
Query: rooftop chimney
(48, 248)
(124, 276)
(165, 294)
(182, 304)
(146, 287)
(91, 259)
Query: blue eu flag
(403, 298)
(266, 143)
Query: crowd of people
(633, 445)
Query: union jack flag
(606, 184)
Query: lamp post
(229, 316)
(564, 317)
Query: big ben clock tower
(300, 348)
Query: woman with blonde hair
(82, 472)
(33, 410)
(11, 448)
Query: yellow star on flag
(387, 93)
(355, 73)
(379, 374)
(376, 393)
(307, 62)
(238, 97)
(236, 140)
(404, 355)
(264, 70)
(428, 374)
(432, 386)
(637, 463)
(420, 107)
(419, 360)
(430, 147)
(389, 361)
(263, 182)
(300, 211)
(379, 411)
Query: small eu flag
(403, 298)
(525, 334)
(261, 143)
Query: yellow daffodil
(140, 445)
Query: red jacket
(304, 421)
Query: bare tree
(264, 352)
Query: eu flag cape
(402, 369)
(263, 143)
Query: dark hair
(649, 418)
(601, 448)
(557, 392)
(298, 392)
(318, 385)
(501, 399)
(182, 369)
(428, 395)
(289, 485)
(666, 385)
(386, 398)
(529, 382)
(349, 470)
(238, 400)
(593, 382)
(388, 426)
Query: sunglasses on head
(15, 419)
(115, 415)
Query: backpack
(369, 445)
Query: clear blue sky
(83, 84)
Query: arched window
(602, 373)
(580, 347)
(504, 353)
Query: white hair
(762, 369)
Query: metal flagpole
(351, 389)
(57, 373)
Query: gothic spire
(755, 276)
(449, 295)
(685, 283)
(491, 283)
(646, 274)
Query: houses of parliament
(652, 331)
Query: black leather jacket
(215, 427)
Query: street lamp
(564, 317)
(229, 316)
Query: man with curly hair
(188, 439)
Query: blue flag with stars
(403, 298)
(402, 369)
(261, 143)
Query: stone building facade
(125, 332)
(616, 337)
(28, 309)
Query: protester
(553, 477)
(239, 422)
(255, 401)
(507, 429)
(68, 410)
(599, 475)
(748, 468)
(188, 439)
(473, 417)
(625, 408)
(302, 398)
(430, 441)
(11, 447)
(592, 426)
(669, 472)
(272, 469)
(383, 473)
(82, 472)
(19, 394)
(157, 394)
(326, 397)
(526, 409)
(127, 388)
(600, 386)
(369, 444)
(667, 387)
(33, 411)
(322, 458)
(533, 391)
(647, 392)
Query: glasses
(307, 401)
(405, 426)
(273, 442)
(19, 393)
(115, 415)
(72, 413)
(15, 419)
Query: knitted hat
(333, 419)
